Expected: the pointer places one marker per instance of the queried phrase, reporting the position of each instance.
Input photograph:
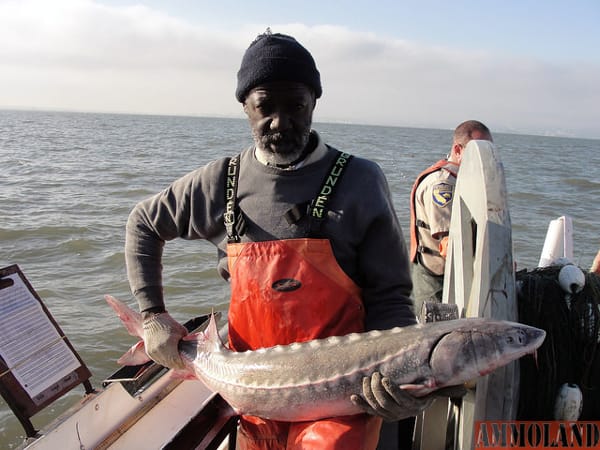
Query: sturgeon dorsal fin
(213, 339)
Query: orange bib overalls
(293, 291)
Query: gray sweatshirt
(361, 225)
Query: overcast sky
(518, 65)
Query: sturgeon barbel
(315, 379)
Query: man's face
(280, 116)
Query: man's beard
(281, 148)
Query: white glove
(380, 397)
(162, 333)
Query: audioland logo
(536, 435)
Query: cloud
(400, 82)
(84, 35)
(85, 55)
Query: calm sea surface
(69, 180)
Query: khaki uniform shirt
(433, 205)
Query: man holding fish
(307, 237)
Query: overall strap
(318, 207)
(235, 225)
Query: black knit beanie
(276, 57)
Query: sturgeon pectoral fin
(419, 390)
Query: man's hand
(443, 247)
(162, 333)
(382, 398)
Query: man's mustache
(276, 137)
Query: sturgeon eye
(517, 338)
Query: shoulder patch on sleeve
(442, 194)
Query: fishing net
(569, 353)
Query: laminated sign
(37, 362)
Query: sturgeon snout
(468, 353)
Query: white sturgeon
(315, 379)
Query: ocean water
(69, 180)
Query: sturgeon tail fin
(135, 356)
(133, 323)
(130, 318)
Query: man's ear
(458, 150)
(245, 107)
